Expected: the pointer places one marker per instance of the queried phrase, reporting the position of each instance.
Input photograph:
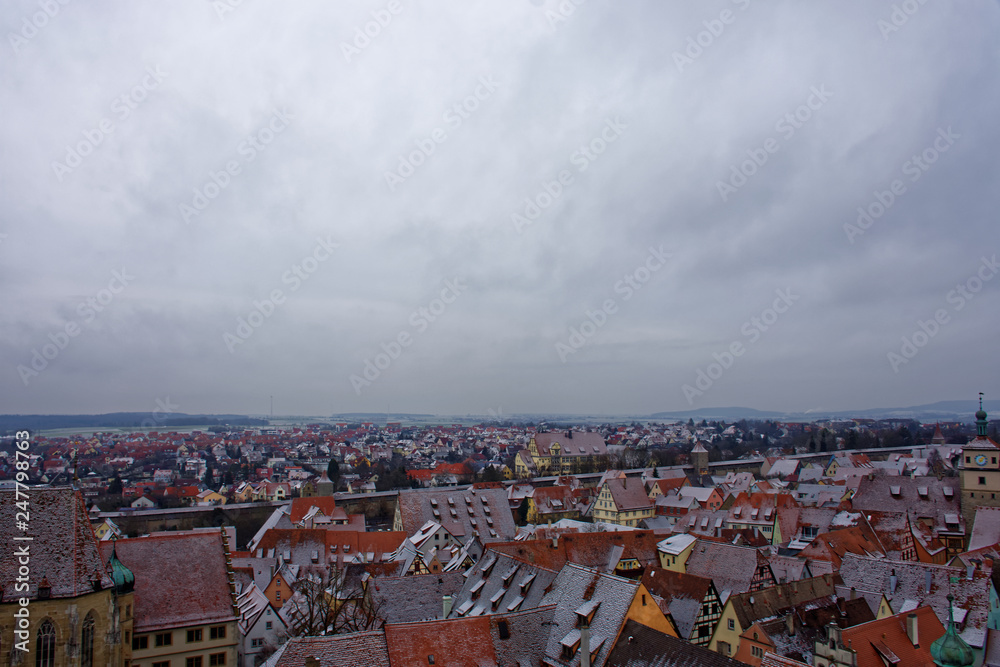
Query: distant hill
(122, 420)
(963, 411)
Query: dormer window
(585, 612)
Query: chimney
(969, 571)
(928, 577)
(585, 645)
(790, 624)
(892, 582)
(447, 605)
(854, 593)
(911, 630)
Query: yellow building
(980, 471)
(560, 453)
(623, 501)
(74, 614)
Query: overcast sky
(666, 172)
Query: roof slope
(870, 640)
(456, 642)
(415, 598)
(350, 650)
(456, 509)
(593, 550)
(64, 549)
(683, 594)
(179, 579)
(639, 646)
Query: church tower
(980, 471)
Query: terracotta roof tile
(179, 579)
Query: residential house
(641, 646)
(185, 606)
(552, 503)
(559, 453)
(262, 629)
(900, 639)
(691, 601)
(743, 609)
(622, 501)
(733, 569)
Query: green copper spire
(121, 575)
(981, 422)
(950, 650)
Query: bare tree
(329, 602)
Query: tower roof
(950, 650)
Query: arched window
(87, 642)
(45, 645)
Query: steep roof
(180, 579)
(460, 641)
(500, 583)
(640, 646)
(887, 637)
(910, 590)
(601, 550)
(768, 602)
(414, 598)
(63, 549)
(456, 510)
(682, 593)
(582, 590)
(731, 568)
(580, 444)
(301, 506)
(628, 493)
(348, 650)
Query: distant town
(762, 542)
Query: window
(757, 651)
(45, 645)
(503, 629)
(257, 642)
(139, 643)
(277, 594)
(723, 648)
(87, 641)
(216, 659)
(164, 639)
(731, 624)
(128, 611)
(268, 625)
(194, 662)
(194, 635)
(217, 632)
(982, 480)
(128, 637)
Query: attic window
(434, 502)
(496, 597)
(437, 515)
(489, 522)
(454, 514)
(315, 556)
(585, 612)
(753, 514)
(509, 576)
(347, 548)
(473, 522)
(569, 644)
(468, 500)
(286, 554)
(476, 588)
(471, 513)
(948, 492)
(922, 492)
(737, 512)
(704, 522)
(464, 608)
(486, 509)
(895, 491)
(515, 603)
(526, 583)
(451, 501)
(430, 659)
(767, 514)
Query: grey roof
(529, 636)
(920, 497)
(972, 595)
(414, 598)
(456, 508)
(731, 568)
(498, 584)
(573, 589)
(640, 646)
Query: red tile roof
(462, 641)
(872, 638)
(300, 506)
(179, 579)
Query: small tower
(980, 471)
(699, 459)
(950, 650)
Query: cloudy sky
(503, 206)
